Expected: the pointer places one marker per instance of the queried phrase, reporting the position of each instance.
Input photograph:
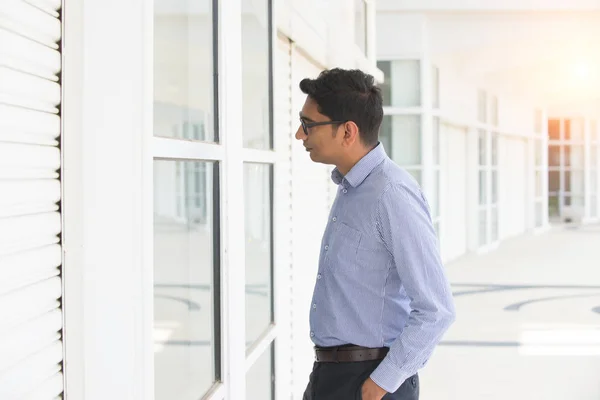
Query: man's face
(323, 142)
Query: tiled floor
(528, 324)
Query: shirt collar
(362, 169)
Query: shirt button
(326, 247)
(312, 334)
(345, 190)
(314, 306)
(319, 276)
(334, 219)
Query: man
(381, 301)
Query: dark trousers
(343, 381)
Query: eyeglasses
(307, 125)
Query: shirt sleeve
(404, 225)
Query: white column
(108, 199)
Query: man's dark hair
(348, 95)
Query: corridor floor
(528, 322)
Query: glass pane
(184, 281)
(553, 181)
(482, 106)
(553, 206)
(494, 187)
(594, 134)
(554, 129)
(482, 147)
(436, 141)
(567, 132)
(594, 157)
(554, 156)
(385, 134)
(593, 182)
(495, 227)
(576, 156)
(435, 85)
(482, 227)
(594, 208)
(494, 149)
(416, 173)
(406, 143)
(183, 70)
(258, 205)
(260, 378)
(255, 74)
(482, 187)
(577, 126)
(360, 25)
(386, 86)
(406, 83)
(574, 182)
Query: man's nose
(300, 135)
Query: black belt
(349, 354)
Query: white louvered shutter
(31, 350)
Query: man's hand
(371, 391)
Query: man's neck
(346, 165)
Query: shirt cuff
(388, 377)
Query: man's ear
(351, 133)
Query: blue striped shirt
(381, 281)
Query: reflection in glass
(259, 278)
(553, 206)
(256, 107)
(406, 143)
(574, 182)
(184, 281)
(183, 70)
(576, 157)
(260, 380)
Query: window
(386, 87)
(186, 279)
(256, 74)
(184, 84)
(187, 269)
(360, 28)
